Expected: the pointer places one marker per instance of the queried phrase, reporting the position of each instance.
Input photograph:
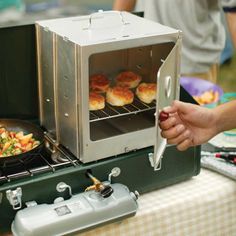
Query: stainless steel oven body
(70, 50)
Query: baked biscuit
(119, 96)
(128, 79)
(146, 92)
(96, 101)
(99, 83)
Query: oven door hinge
(14, 197)
(152, 162)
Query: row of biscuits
(120, 94)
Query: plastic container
(196, 87)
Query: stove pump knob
(107, 191)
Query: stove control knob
(61, 187)
(114, 173)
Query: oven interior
(144, 61)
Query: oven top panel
(105, 26)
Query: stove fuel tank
(80, 212)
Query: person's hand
(188, 125)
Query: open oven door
(167, 90)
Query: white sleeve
(228, 3)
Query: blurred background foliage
(227, 75)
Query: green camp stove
(114, 153)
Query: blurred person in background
(228, 52)
(200, 22)
(230, 15)
(190, 125)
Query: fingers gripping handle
(163, 116)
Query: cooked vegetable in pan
(14, 143)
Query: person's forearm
(225, 116)
(124, 5)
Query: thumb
(178, 106)
(173, 108)
(182, 107)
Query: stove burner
(34, 163)
(58, 157)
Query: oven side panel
(46, 78)
(66, 93)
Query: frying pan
(26, 127)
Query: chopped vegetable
(14, 143)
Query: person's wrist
(216, 119)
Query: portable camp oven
(121, 146)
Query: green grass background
(227, 76)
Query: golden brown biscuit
(96, 101)
(99, 83)
(128, 79)
(146, 92)
(119, 96)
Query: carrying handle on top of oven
(101, 12)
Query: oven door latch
(14, 197)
